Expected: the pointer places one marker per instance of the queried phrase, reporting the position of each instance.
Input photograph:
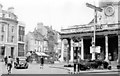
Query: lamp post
(95, 22)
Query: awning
(41, 54)
(28, 54)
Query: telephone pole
(95, 22)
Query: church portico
(104, 33)
(108, 44)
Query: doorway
(12, 51)
(113, 47)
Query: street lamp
(95, 22)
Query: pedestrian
(79, 63)
(75, 65)
(17, 60)
(9, 64)
(42, 62)
(5, 60)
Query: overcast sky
(55, 13)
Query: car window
(22, 60)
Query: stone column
(82, 49)
(62, 51)
(118, 48)
(106, 48)
(71, 52)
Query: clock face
(109, 11)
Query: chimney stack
(11, 9)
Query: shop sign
(95, 49)
(77, 44)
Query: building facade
(21, 39)
(78, 39)
(8, 33)
(36, 41)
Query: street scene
(69, 37)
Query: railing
(90, 28)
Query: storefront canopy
(41, 54)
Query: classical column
(106, 48)
(62, 51)
(118, 48)
(71, 52)
(82, 49)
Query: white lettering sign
(95, 49)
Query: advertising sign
(97, 49)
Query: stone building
(36, 40)
(78, 39)
(9, 32)
(21, 39)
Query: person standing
(75, 65)
(17, 60)
(79, 63)
(42, 62)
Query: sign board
(97, 49)
(77, 44)
(94, 7)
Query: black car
(21, 65)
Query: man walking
(9, 64)
(5, 60)
(42, 62)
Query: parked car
(95, 64)
(22, 64)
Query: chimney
(1, 7)
(11, 9)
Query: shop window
(12, 28)
(20, 49)
(12, 38)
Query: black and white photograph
(60, 37)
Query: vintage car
(22, 64)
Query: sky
(56, 13)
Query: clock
(109, 11)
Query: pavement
(57, 68)
(34, 68)
(70, 69)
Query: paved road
(35, 69)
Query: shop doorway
(113, 47)
(12, 51)
(2, 50)
(77, 51)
